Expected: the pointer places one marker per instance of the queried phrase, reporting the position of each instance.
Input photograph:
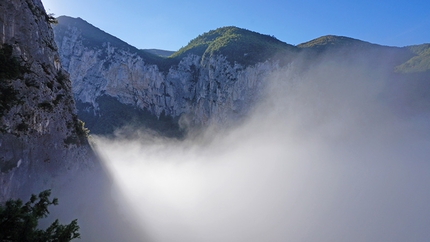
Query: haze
(324, 156)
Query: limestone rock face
(40, 134)
(204, 91)
(201, 90)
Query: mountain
(239, 46)
(420, 62)
(407, 67)
(114, 83)
(333, 41)
(162, 53)
(93, 37)
(43, 144)
(216, 78)
(409, 59)
(41, 137)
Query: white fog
(323, 157)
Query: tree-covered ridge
(333, 41)
(420, 62)
(246, 47)
(410, 59)
(237, 45)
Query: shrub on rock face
(9, 69)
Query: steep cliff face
(201, 90)
(214, 79)
(40, 135)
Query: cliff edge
(41, 138)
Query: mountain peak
(92, 35)
(95, 38)
(329, 41)
(238, 45)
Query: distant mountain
(215, 78)
(237, 45)
(408, 59)
(420, 62)
(333, 41)
(93, 37)
(163, 53)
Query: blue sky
(171, 24)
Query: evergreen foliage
(51, 19)
(237, 45)
(81, 134)
(332, 41)
(18, 221)
(420, 62)
(411, 59)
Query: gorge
(237, 136)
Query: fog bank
(325, 156)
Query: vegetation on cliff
(10, 69)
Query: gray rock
(205, 91)
(41, 137)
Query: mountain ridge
(187, 85)
(160, 52)
(215, 76)
(418, 63)
(334, 40)
(239, 45)
(243, 46)
(94, 37)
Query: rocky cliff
(214, 79)
(199, 88)
(41, 138)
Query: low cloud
(323, 157)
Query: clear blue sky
(171, 24)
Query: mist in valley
(325, 155)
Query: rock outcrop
(41, 138)
(214, 79)
(201, 90)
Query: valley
(237, 136)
